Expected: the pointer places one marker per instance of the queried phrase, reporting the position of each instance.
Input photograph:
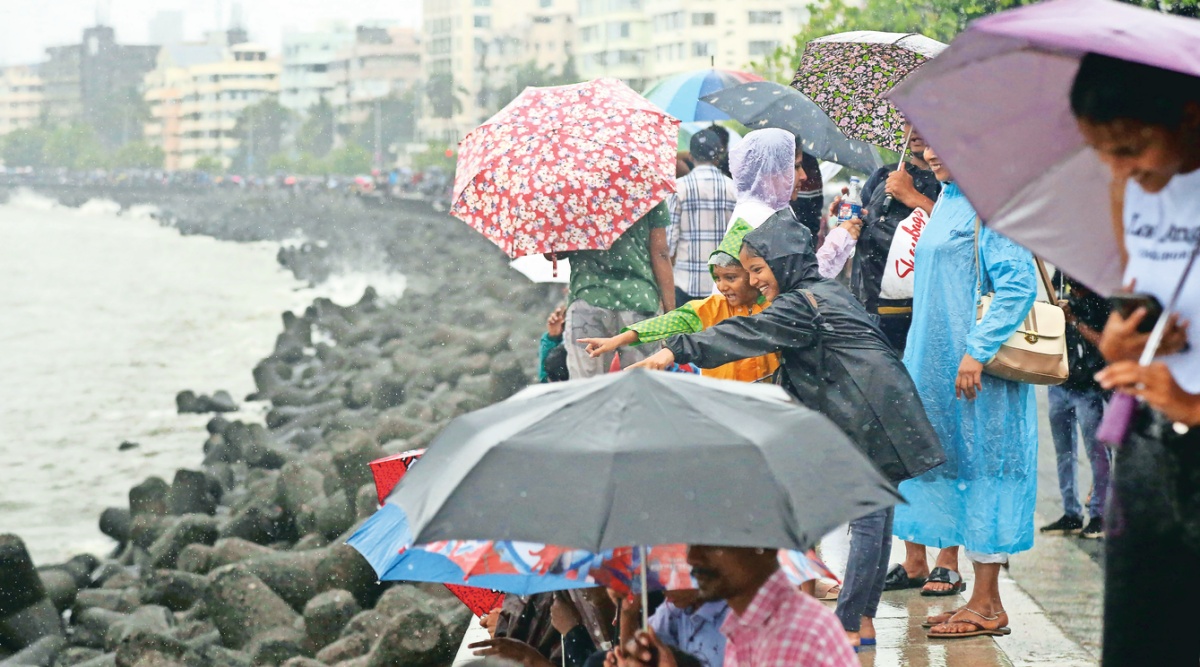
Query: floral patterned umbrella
(847, 75)
(565, 168)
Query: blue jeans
(866, 568)
(1067, 409)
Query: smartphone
(1127, 304)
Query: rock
(415, 638)
(366, 502)
(187, 402)
(299, 487)
(231, 550)
(217, 425)
(121, 600)
(333, 515)
(173, 589)
(195, 559)
(242, 606)
(292, 575)
(261, 523)
(105, 571)
(40, 653)
(116, 523)
(90, 626)
(309, 542)
(303, 662)
(344, 568)
(145, 529)
(276, 645)
(60, 585)
(347, 648)
(149, 497)
(146, 647)
(327, 614)
(26, 614)
(219, 656)
(191, 493)
(191, 529)
(105, 660)
(221, 401)
(151, 621)
(508, 376)
(352, 454)
(127, 445)
(74, 655)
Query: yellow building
(194, 108)
(20, 98)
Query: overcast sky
(27, 27)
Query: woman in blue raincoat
(983, 497)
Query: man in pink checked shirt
(771, 624)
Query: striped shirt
(700, 213)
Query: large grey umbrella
(762, 104)
(641, 458)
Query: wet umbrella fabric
(641, 458)
(996, 107)
(565, 168)
(679, 95)
(849, 73)
(765, 104)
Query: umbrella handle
(645, 592)
(554, 263)
(887, 201)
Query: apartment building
(308, 63)
(641, 41)
(195, 108)
(470, 46)
(383, 61)
(20, 98)
(164, 88)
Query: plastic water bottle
(852, 203)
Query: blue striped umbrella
(679, 95)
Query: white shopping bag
(897, 281)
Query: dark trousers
(1152, 559)
(895, 330)
(866, 568)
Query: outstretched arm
(789, 323)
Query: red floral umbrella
(565, 168)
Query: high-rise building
(20, 98)
(308, 58)
(471, 46)
(640, 41)
(383, 61)
(196, 107)
(97, 82)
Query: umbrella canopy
(679, 95)
(686, 130)
(641, 458)
(565, 168)
(847, 74)
(995, 107)
(767, 104)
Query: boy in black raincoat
(834, 360)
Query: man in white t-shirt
(1144, 122)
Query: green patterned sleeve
(682, 320)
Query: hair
(685, 659)
(1107, 88)
(720, 258)
(749, 249)
(556, 365)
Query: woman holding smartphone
(1144, 122)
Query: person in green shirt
(612, 289)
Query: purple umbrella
(995, 107)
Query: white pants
(587, 321)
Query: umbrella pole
(562, 643)
(645, 593)
(887, 202)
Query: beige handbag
(1036, 353)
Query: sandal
(831, 594)
(941, 575)
(979, 630)
(938, 619)
(898, 580)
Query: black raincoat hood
(788, 249)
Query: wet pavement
(1053, 595)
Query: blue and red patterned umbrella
(679, 95)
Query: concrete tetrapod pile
(241, 560)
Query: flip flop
(948, 614)
(941, 575)
(979, 630)
(898, 580)
(831, 595)
(867, 642)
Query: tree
(74, 147)
(939, 19)
(260, 129)
(316, 135)
(530, 74)
(443, 95)
(398, 123)
(349, 159)
(24, 147)
(138, 155)
(210, 164)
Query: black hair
(1107, 88)
(750, 249)
(556, 365)
(685, 659)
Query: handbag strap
(1043, 274)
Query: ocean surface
(104, 316)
